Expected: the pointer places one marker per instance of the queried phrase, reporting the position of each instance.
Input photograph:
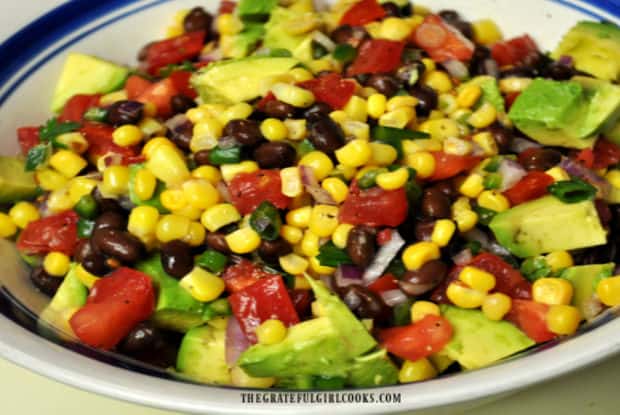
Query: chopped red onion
(487, 243)
(491, 68)
(176, 121)
(511, 173)
(236, 341)
(346, 275)
(456, 69)
(463, 258)
(393, 297)
(352, 300)
(320, 38)
(224, 192)
(519, 144)
(566, 60)
(382, 260)
(575, 169)
(311, 184)
(227, 142)
(328, 280)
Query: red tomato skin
(384, 236)
(76, 107)
(115, 305)
(418, 340)
(585, 157)
(264, 300)
(241, 275)
(454, 44)
(362, 12)
(514, 51)
(99, 137)
(180, 80)
(159, 94)
(173, 50)
(606, 154)
(384, 283)
(265, 100)
(377, 56)
(52, 233)
(449, 165)
(302, 300)
(226, 7)
(374, 207)
(530, 317)
(330, 89)
(248, 190)
(136, 86)
(530, 187)
(27, 137)
(439, 293)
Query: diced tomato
(116, 304)
(52, 233)
(374, 207)
(377, 56)
(418, 340)
(248, 190)
(265, 100)
(517, 51)
(160, 94)
(585, 157)
(243, 274)
(384, 236)
(76, 107)
(362, 12)
(330, 89)
(28, 137)
(99, 137)
(180, 80)
(264, 300)
(384, 283)
(508, 280)
(441, 41)
(449, 165)
(606, 154)
(510, 99)
(530, 317)
(302, 300)
(530, 187)
(136, 86)
(174, 50)
(226, 7)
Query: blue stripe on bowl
(610, 6)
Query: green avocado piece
(441, 361)
(540, 226)
(603, 100)
(585, 279)
(221, 82)
(277, 36)
(594, 47)
(15, 183)
(478, 341)
(71, 295)
(374, 369)
(613, 133)
(153, 201)
(84, 74)
(244, 42)
(300, 382)
(255, 8)
(202, 355)
(490, 91)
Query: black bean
(125, 112)
(391, 9)
(246, 132)
(181, 135)
(270, 251)
(361, 245)
(44, 282)
(365, 303)
(177, 258)
(197, 19)
(403, 74)
(427, 99)
(92, 261)
(385, 84)
(518, 72)
(424, 230)
(117, 244)
(354, 36)
(464, 27)
(425, 279)
(317, 108)
(540, 159)
(503, 137)
(106, 204)
(325, 134)
(446, 187)
(141, 338)
(278, 109)
(558, 71)
(449, 15)
(217, 241)
(435, 204)
(110, 219)
(201, 158)
(604, 212)
(275, 155)
(181, 103)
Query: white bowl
(116, 29)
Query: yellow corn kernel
(296, 129)
(291, 234)
(443, 231)
(293, 264)
(394, 28)
(210, 173)
(401, 101)
(552, 291)
(486, 32)
(399, 118)
(472, 186)
(59, 201)
(486, 142)
(416, 371)
(421, 309)
(7, 226)
(116, 179)
(422, 162)
(154, 143)
(613, 177)
(483, 116)
(347, 172)
(355, 153)
(196, 115)
(229, 171)
(150, 127)
(339, 116)
(494, 200)
(376, 105)
(243, 240)
(320, 163)
(85, 277)
(318, 269)
(382, 154)
(127, 135)
(299, 217)
(112, 97)
(292, 185)
(441, 128)
(68, 163)
(228, 24)
(205, 135)
(189, 212)
(271, 332)
(457, 146)
(465, 220)
(341, 235)
(301, 74)
(356, 129)
(336, 188)
(495, 306)
(203, 285)
(172, 227)
(418, 254)
(323, 220)
(168, 165)
(477, 279)
(393, 180)
(356, 109)
(558, 260)
(196, 235)
(447, 104)
(73, 141)
(608, 291)
(429, 64)
(149, 110)
(514, 84)
(367, 91)
(425, 144)
(273, 129)
(438, 80)
(301, 283)
(143, 221)
(173, 199)
(309, 245)
(468, 96)
(144, 184)
(219, 216)
(464, 297)
(56, 264)
(239, 111)
(293, 95)
(200, 193)
(23, 213)
(79, 187)
(563, 319)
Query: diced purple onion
(575, 169)
(566, 60)
(456, 69)
(511, 173)
(394, 297)
(491, 68)
(346, 275)
(520, 144)
(463, 258)
(236, 341)
(320, 38)
(487, 243)
(311, 184)
(352, 300)
(224, 192)
(227, 142)
(176, 121)
(382, 260)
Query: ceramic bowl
(32, 55)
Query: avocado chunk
(603, 99)
(278, 34)
(374, 369)
(84, 74)
(244, 42)
(490, 91)
(202, 355)
(238, 80)
(15, 183)
(255, 9)
(71, 295)
(585, 278)
(547, 224)
(594, 47)
(478, 341)
(613, 133)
